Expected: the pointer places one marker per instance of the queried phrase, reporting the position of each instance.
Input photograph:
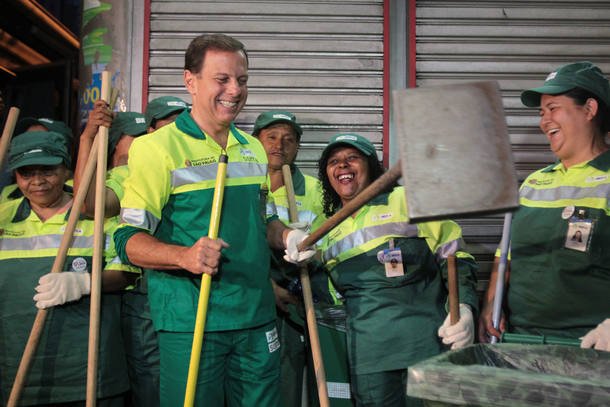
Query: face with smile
(42, 185)
(348, 172)
(280, 143)
(568, 127)
(219, 91)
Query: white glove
(600, 337)
(59, 288)
(462, 333)
(296, 236)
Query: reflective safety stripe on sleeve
(139, 218)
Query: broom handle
(7, 133)
(98, 251)
(312, 326)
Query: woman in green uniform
(31, 229)
(392, 275)
(560, 236)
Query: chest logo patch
(79, 264)
(597, 178)
(540, 182)
(382, 216)
(197, 162)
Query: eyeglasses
(42, 171)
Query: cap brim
(345, 143)
(35, 160)
(531, 97)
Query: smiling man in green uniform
(166, 211)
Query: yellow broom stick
(206, 282)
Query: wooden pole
(312, 326)
(58, 264)
(98, 251)
(454, 294)
(206, 282)
(7, 133)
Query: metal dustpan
(455, 152)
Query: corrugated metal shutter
(516, 43)
(322, 60)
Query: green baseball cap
(162, 107)
(266, 119)
(125, 123)
(357, 141)
(37, 148)
(581, 74)
(56, 126)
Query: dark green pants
(293, 356)
(141, 349)
(237, 368)
(383, 389)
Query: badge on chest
(391, 259)
(579, 232)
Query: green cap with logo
(581, 74)
(266, 119)
(125, 123)
(37, 148)
(161, 107)
(56, 126)
(357, 141)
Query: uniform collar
(24, 210)
(601, 162)
(186, 124)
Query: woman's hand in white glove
(59, 288)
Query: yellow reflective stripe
(596, 203)
(115, 264)
(49, 252)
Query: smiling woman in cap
(559, 286)
(31, 229)
(391, 275)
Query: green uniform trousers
(141, 349)
(383, 389)
(237, 368)
(293, 356)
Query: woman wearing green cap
(392, 275)
(559, 285)
(31, 229)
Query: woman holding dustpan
(560, 237)
(391, 274)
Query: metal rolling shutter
(322, 60)
(516, 43)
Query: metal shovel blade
(455, 152)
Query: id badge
(579, 233)
(392, 261)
